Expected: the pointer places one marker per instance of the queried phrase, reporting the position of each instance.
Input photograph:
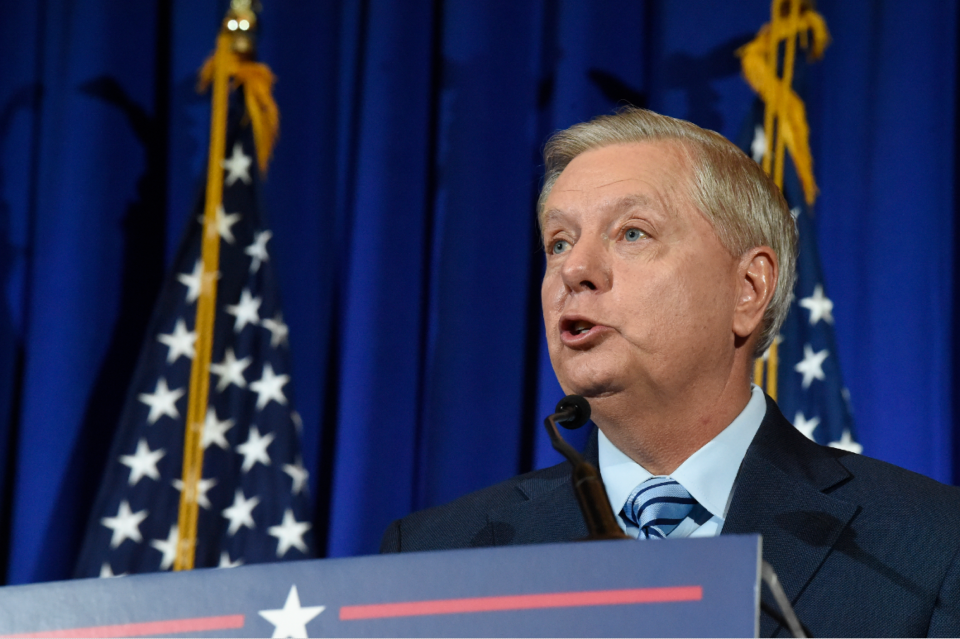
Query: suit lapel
(780, 494)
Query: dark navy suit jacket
(862, 548)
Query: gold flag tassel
(229, 67)
(785, 117)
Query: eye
(559, 247)
(632, 235)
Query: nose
(587, 266)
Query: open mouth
(575, 328)
(580, 327)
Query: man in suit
(670, 263)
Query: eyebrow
(618, 206)
(633, 201)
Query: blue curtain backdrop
(402, 201)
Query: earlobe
(757, 281)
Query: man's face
(639, 293)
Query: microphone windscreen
(580, 414)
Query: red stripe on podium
(143, 629)
(522, 602)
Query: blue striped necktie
(657, 506)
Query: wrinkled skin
(647, 314)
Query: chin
(592, 385)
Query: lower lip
(587, 338)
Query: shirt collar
(708, 474)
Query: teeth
(580, 327)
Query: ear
(756, 283)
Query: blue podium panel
(693, 587)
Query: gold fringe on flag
(257, 82)
(228, 68)
(785, 117)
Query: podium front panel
(691, 587)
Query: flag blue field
(253, 497)
(810, 389)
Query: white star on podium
(291, 620)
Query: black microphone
(573, 411)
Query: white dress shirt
(708, 475)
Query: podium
(688, 587)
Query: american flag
(810, 389)
(253, 497)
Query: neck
(659, 429)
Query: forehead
(647, 174)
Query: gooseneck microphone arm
(573, 411)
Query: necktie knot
(657, 506)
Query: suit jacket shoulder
(864, 544)
(538, 507)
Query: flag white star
(241, 512)
(758, 147)
(162, 401)
(195, 280)
(291, 620)
(203, 486)
(223, 224)
(168, 547)
(230, 370)
(289, 533)
(811, 367)
(106, 571)
(806, 426)
(225, 561)
(298, 474)
(819, 305)
(258, 250)
(179, 342)
(277, 328)
(143, 463)
(269, 387)
(846, 443)
(795, 213)
(237, 166)
(214, 430)
(192, 281)
(247, 311)
(126, 524)
(255, 449)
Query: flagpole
(233, 38)
(784, 118)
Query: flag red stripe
(522, 602)
(169, 627)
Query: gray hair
(732, 191)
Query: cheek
(551, 298)
(664, 308)
(706, 297)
